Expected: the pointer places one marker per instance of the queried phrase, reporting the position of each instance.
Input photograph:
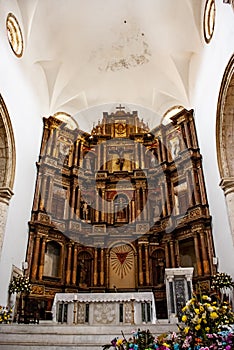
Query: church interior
(116, 145)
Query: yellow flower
(184, 308)
(119, 342)
(207, 329)
(201, 308)
(213, 315)
(204, 315)
(184, 318)
(186, 330)
(197, 311)
(198, 326)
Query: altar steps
(51, 336)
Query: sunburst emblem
(121, 260)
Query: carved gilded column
(68, 271)
(147, 276)
(74, 271)
(133, 211)
(42, 259)
(49, 142)
(61, 262)
(30, 252)
(103, 206)
(102, 268)
(173, 264)
(73, 199)
(137, 207)
(75, 159)
(97, 207)
(136, 155)
(35, 257)
(193, 134)
(187, 133)
(42, 192)
(37, 192)
(142, 152)
(54, 143)
(196, 194)
(168, 205)
(95, 276)
(144, 205)
(164, 212)
(50, 194)
(205, 261)
(104, 157)
(202, 185)
(197, 253)
(167, 257)
(141, 279)
(78, 203)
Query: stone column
(147, 276)
(5, 196)
(42, 259)
(74, 265)
(95, 267)
(35, 257)
(197, 253)
(227, 185)
(68, 271)
(141, 280)
(133, 211)
(102, 268)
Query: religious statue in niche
(82, 273)
(175, 147)
(85, 211)
(153, 160)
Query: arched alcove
(225, 138)
(7, 166)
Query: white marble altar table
(104, 308)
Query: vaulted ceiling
(83, 53)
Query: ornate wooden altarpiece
(112, 209)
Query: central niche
(122, 267)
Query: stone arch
(225, 138)
(7, 165)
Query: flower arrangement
(221, 280)
(206, 325)
(19, 284)
(5, 314)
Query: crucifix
(121, 159)
(120, 107)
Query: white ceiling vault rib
(28, 10)
(92, 53)
(51, 72)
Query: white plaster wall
(213, 63)
(26, 118)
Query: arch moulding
(7, 166)
(225, 138)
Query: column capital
(227, 184)
(5, 194)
